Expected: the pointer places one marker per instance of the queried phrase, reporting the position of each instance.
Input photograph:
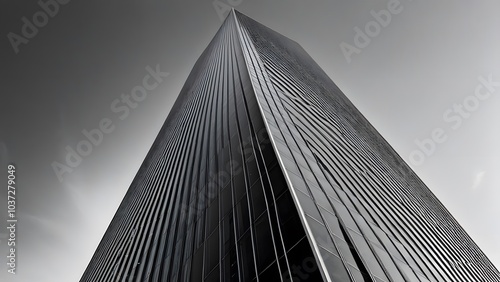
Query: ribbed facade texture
(264, 171)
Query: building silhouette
(265, 171)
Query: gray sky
(65, 78)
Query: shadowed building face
(265, 171)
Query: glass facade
(264, 171)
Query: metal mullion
(123, 228)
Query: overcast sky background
(65, 78)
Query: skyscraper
(264, 171)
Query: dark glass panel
(272, 273)
(303, 263)
(211, 251)
(246, 258)
(213, 216)
(258, 200)
(264, 241)
(197, 266)
(278, 183)
(242, 217)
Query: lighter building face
(264, 171)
